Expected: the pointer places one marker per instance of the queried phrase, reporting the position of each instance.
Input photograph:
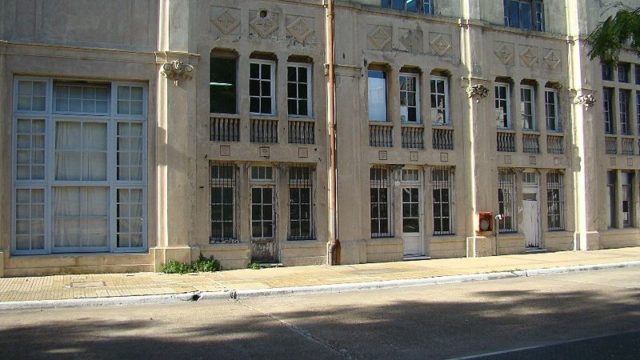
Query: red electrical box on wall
(485, 221)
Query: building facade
(134, 132)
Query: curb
(303, 290)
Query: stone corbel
(477, 92)
(177, 71)
(583, 97)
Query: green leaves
(203, 264)
(613, 34)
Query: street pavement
(105, 289)
(581, 315)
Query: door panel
(263, 227)
(411, 224)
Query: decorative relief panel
(300, 30)
(263, 23)
(551, 59)
(410, 40)
(379, 37)
(226, 21)
(504, 52)
(529, 56)
(440, 43)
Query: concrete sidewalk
(97, 289)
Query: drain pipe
(333, 244)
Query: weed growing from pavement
(203, 264)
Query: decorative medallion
(440, 44)
(505, 53)
(226, 22)
(529, 56)
(380, 37)
(265, 23)
(551, 60)
(299, 30)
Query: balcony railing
(225, 127)
(412, 137)
(380, 135)
(611, 145)
(301, 132)
(264, 131)
(442, 138)
(628, 146)
(531, 143)
(506, 141)
(555, 144)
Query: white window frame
(532, 102)
(552, 117)
(501, 115)
(555, 181)
(49, 184)
(437, 95)
(309, 97)
(624, 113)
(381, 185)
(404, 94)
(272, 82)
(439, 185)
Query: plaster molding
(583, 97)
(440, 43)
(477, 92)
(176, 71)
(299, 30)
(226, 22)
(380, 37)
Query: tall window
(552, 110)
(409, 99)
(379, 190)
(638, 111)
(222, 85)
(299, 89)
(507, 201)
(79, 167)
(377, 100)
(527, 107)
(627, 198)
(623, 102)
(607, 72)
(440, 100)
(262, 202)
(555, 201)
(300, 203)
(611, 187)
(637, 67)
(442, 188)
(524, 14)
(262, 85)
(503, 105)
(419, 6)
(223, 219)
(623, 72)
(607, 105)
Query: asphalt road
(590, 315)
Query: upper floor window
(607, 72)
(377, 100)
(419, 6)
(623, 104)
(440, 100)
(262, 85)
(222, 85)
(299, 89)
(527, 107)
(503, 105)
(607, 105)
(524, 14)
(623, 72)
(637, 67)
(409, 98)
(551, 109)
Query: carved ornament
(505, 53)
(300, 30)
(440, 44)
(226, 22)
(380, 37)
(177, 71)
(477, 92)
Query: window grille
(223, 193)
(627, 199)
(264, 173)
(300, 203)
(555, 201)
(611, 187)
(442, 189)
(380, 200)
(507, 201)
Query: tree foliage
(613, 34)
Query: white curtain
(80, 216)
(377, 97)
(81, 151)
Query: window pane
(377, 96)
(80, 217)
(223, 85)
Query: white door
(411, 234)
(531, 221)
